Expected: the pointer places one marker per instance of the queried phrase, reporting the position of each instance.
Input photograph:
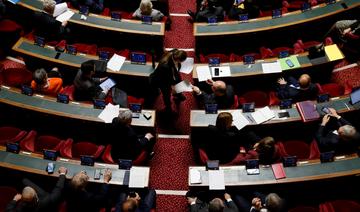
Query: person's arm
(100, 198)
(11, 206)
(230, 203)
(55, 196)
(283, 89)
(341, 120)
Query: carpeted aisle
(171, 203)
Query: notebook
(107, 84)
(262, 115)
(278, 171)
(307, 110)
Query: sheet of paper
(183, 86)
(13, 1)
(262, 115)
(109, 112)
(60, 9)
(273, 67)
(187, 66)
(267, 112)
(333, 52)
(65, 16)
(216, 180)
(137, 178)
(203, 73)
(195, 176)
(115, 62)
(224, 71)
(107, 84)
(293, 59)
(239, 119)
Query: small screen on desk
(276, 13)
(212, 20)
(285, 104)
(323, 97)
(87, 160)
(99, 104)
(248, 107)
(355, 96)
(249, 59)
(283, 54)
(243, 17)
(40, 41)
(125, 164)
(84, 10)
(138, 58)
(212, 165)
(27, 90)
(116, 16)
(146, 19)
(327, 156)
(211, 108)
(103, 55)
(71, 49)
(305, 7)
(135, 107)
(330, 1)
(49, 154)
(12, 147)
(63, 98)
(290, 161)
(214, 61)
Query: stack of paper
(137, 178)
(216, 180)
(65, 16)
(187, 66)
(62, 12)
(262, 115)
(115, 62)
(195, 176)
(273, 67)
(239, 119)
(110, 111)
(183, 86)
(203, 73)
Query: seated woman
(95, 6)
(268, 151)
(44, 84)
(146, 9)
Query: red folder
(278, 170)
(307, 110)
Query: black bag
(316, 51)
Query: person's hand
(149, 136)
(227, 196)
(62, 170)
(210, 81)
(347, 30)
(325, 119)
(282, 81)
(137, 197)
(191, 200)
(196, 89)
(107, 175)
(17, 197)
(256, 202)
(333, 113)
(64, 23)
(256, 145)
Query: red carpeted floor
(350, 75)
(169, 203)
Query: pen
(347, 106)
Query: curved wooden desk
(267, 23)
(198, 118)
(104, 22)
(313, 170)
(48, 53)
(34, 163)
(45, 104)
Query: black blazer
(200, 206)
(297, 95)
(223, 102)
(86, 89)
(165, 75)
(48, 27)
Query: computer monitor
(87, 160)
(283, 54)
(13, 147)
(125, 164)
(211, 108)
(249, 59)
(138, 58)
(115, 16)
(27, 90)
(39, 41)
(323, 97)
(355, 97)
(276, 13)
(99, 103)
(212, 165)
(71, 49)
(252, 167)
(285, 104)
(62, 98)
(214, 61)
(146, 19)
(49, 154)
(103, 55)
(248, 107)
(290, 161)
(84, 10)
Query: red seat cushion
(333, 89)
(6, 195)
(345, 206)
(10, 134)
(260, 98)
(297, 148)
(47, 142)
(9, 26)
(16, 76)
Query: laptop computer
(135, 109)
(355, 97)
(252, 167)
(138, 58)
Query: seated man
(126, 143)
(215, 205)
(146, 9)
(34, 198)
(43, 84)
(134, 203)
(270, 203)
(46, 25)
(345, 30)
(337, 134)
(95, 6)
(300, 90)
(208, 9)
(223, 95)
(79, 199)
(241, 7)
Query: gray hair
(145, 7)
(125, 116)
(273, 202)
(49, 6)
(216, 205)
(349, 132)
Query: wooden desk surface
(104, 22)
(34, 163)
(48, 53)
(198, 118)
(313, 170)
(49, 105)
(268, 23)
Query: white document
(107, 84)
(109, 113)
(195, 176)
(65, 16)
(239, 120)
(137, 178)
(273, 67)
(216, 180)
(60, 9)
(203, 73)
(262, 115)
(224, 71)
(115, 62)
(187, 66)
(183, 86)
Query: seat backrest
(333, 89)
(297, 148)
(7, 193)
(86, 48)
(83, 148)
(106, 156)
(7, 133)
(304, 209)
(260, 98)
(203, 156)
(345, 205)
(47, 142)
(16, 77)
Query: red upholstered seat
(304, 209)
(235, 58)
(266, 52)
(260, 98)
(69, 90)
(7, 193)
(11, 134)
(124, 53)
(301, 149)
(238, 159)
(16, 77)
(86, 48)
(236, 102)
(274, 100)
(333, 89)
(205, 58)
(75, 150)
(140, 160)
(132, 99)
(38, 144)
(9, 26)
(277, 50)
(345, 206)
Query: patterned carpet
(169, 203)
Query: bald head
(29, 195)
(129, 205)
(304, 81)
(219, 88)
(79, 181)
(347, 132)
(216, 205)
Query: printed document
(273, 67)
(262, 115)
(203, 73)
(137, 177)
(216, 180)
(187, 66)
(183, 86)
(195, 176)
(239, 120)
(115, 62)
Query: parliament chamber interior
(171, 106)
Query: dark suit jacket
(95, 6)
(223, 102)
(290, 92)
(165, 75)
(200, 206)
(328, 141)
(204, 15)
(47, 201)
(86, 201)
(48, 27)
(86, 89)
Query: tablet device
(146, 19)
(49, 154)
(99, 103)
(243, 17)
(252, 167)
(40, 41)
(355, 97)
(327, 156)
(248, 107)
(212, 165)
(283, 54)
(84, 10)
(323, 97)
(107, 84)
(276, 13)
(27, 90)
(290, 161)
(87, 160)
(285, 104)
(212, 21)
(305, 7)
(214, 61)
(62, 98)
(71, 49)
(211, 108)
(103, 55)
(138, 58)
(13, 147)
(125, 164)
(248, 59)
(115, 16)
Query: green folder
(293, 59)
